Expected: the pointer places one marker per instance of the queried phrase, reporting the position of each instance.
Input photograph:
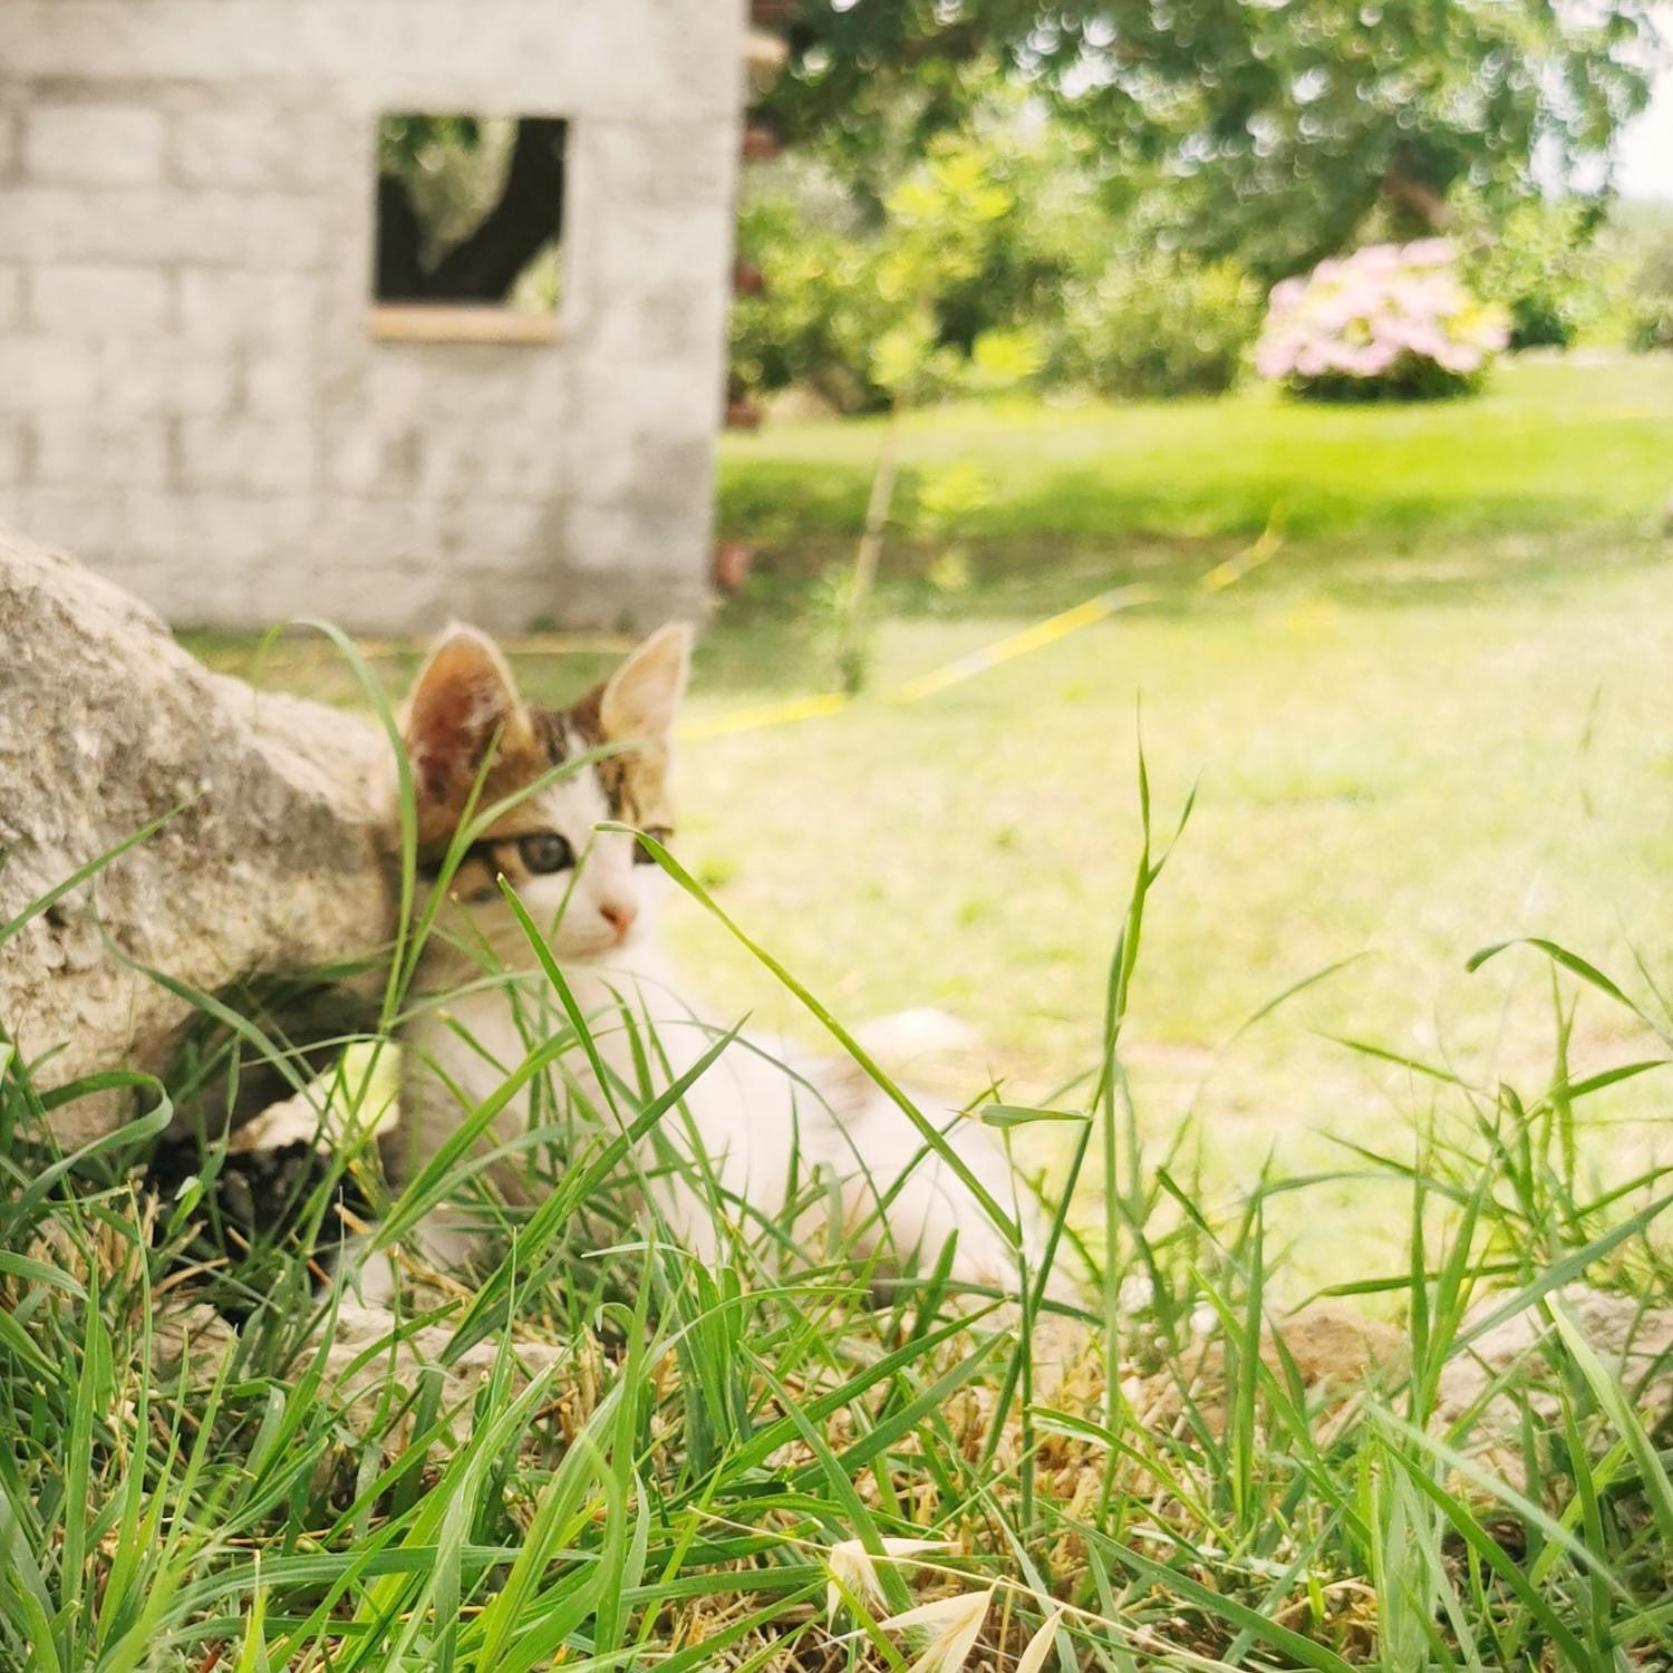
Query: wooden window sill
(441, 322)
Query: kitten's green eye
(545, 851)
(642, 856)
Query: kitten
(595, 893)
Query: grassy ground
(1392, 783)
(1434, 719)
(1551, 447)
(608, 1456)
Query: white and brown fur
(762, 1103)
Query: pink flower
(1459, 357)
(1374, 359)
(1376, 313)
(1377, 258)
(1273, 357)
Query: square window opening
(469, 226)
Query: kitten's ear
(642, 697)
(463, 700)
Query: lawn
(1550, 447)
(1434, 718)
(1433, 721)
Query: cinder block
(633, 599)
(653, 289)
(282, 233)
(180, 581)
(239, 528)
(185, 423)
(93, 144)
(253, 454)
(87, 448)
(628, 406)
(469, 529)
(100, 301)
(281, 148)
(641, 249)
(154, 582)
(672, 478)
(645, 598)
(281, 385)
(365, 458)
(215, 559)
(221, 308)
(509, 595)
(501, 461)
(440, 420)
(162, 225)
(154, 534)
(45, 374)
(87, 522)
(601, 540)
(203, 554)
(363, 596)
(433, 452)
(11, 451)
(662, 165)
(163, 375)
(391, 533)
(619, 56)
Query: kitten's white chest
(757, 1123)
(478, 1040)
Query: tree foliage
(1282, 122)
(993, 260)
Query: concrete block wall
(191, 396)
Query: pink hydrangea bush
(1389, 322)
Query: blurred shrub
(821, 311)
(1649, 292)
(1014, 251)
(1544, 265)
(954, 280)
(995, 262)
(1652, 325)
(1156, 324)
(1389, 322)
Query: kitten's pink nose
(619, 916)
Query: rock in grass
(1482, 1389)
(1632, 1338)
(1333, 1348)
(374, 1354)
(267, 858)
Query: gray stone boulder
(268, 858)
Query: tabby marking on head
(588, 889)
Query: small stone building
(200, 390)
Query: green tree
(1282, 123)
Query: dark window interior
(470, 210)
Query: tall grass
(706, 1465)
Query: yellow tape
(980, 661)
(1264, 549)
(771, 714)
(1019, 644)
(926, 685)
